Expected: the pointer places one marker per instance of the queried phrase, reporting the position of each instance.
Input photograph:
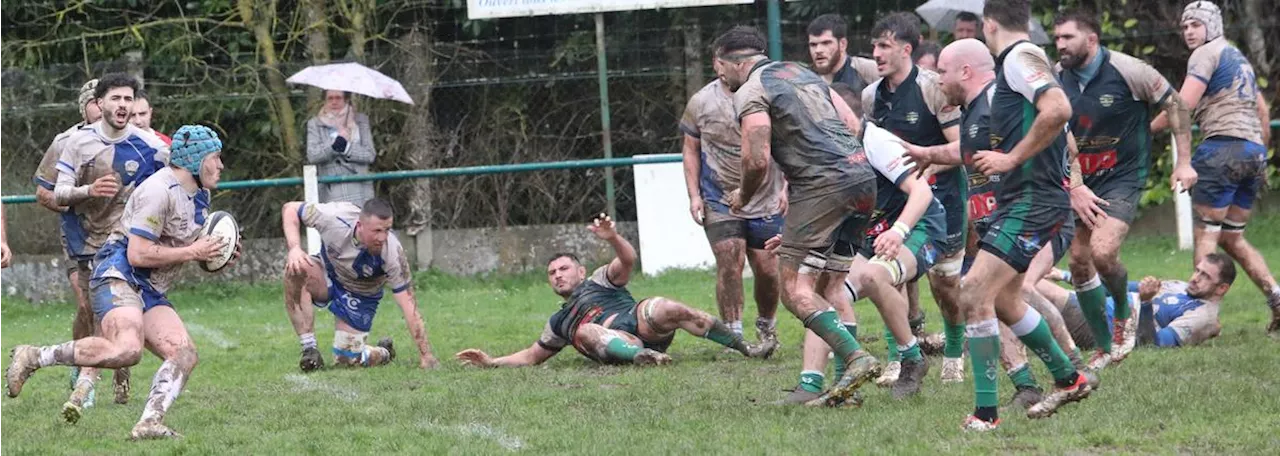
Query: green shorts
(1019, 230)
(925, 242)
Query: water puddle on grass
(478, 430)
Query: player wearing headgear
(157, 234)
(604, 322)
(359, 256)
(1221, 89)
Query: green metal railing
(429, 173)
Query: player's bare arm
(1264, 118)
(952, 134)
(296, 262)
(1178, 117)
(66, 192)
(692, 151)
(46, 199)
(619, 272)
(1054, 110)
(756, 131)
(925, 156)
(532, 356)
(1084, 202)
(417, 328)
(145, 253)
(846, 113)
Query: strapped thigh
(1229, 226)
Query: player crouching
(158, 233)
(359, 255)
(603, 321)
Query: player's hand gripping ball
(223, 226)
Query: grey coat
(353, 159)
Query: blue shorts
(1231, 172)
(720, 225)
(108, 294)
(353, 309)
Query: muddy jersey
(857, 72)
(46, 176)
(347, 262)
(88, 154)
(885, 155)
(809, 141)
(593, 301)
(1229, 106)
(975, 135)
(710, 118)
(1023, 74)
(1192, 320)
(159, 210)
(1111, 118)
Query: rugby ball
(222, 225)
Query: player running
(604, 322)
(908, 102)
(359, 256)
(68, 224)
(1111, 97)
(1028, 115)
(157, 234)
(790, 114)
(98, 168)
(1222, 91)
(712, 172)
(907, 232)
(1173, 313)
(829, 53)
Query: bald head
(964, 69)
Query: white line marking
(216, 337)
(307, 384)
(480, 430)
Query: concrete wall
(42, 278)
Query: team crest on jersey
(367, 270)
(1107, 100)
(131, 167)
(973, 131)
(913, 117)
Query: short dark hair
(1084, 20)
(113, 80)
(851, 96)
(377, 207)
(559, 255)
(141, 94)
(1226, 267)
(966, 16)
(1012, 15)
(902, 26)
(927, 47)
(833, 23)
(739, 38)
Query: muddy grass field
(247, 395)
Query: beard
(1073, 61)
(833, 64)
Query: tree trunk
(259, 16)
(360, 15)
(317, 30)
(693, 56)
(1255, 41)
(419, 132)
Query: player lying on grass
(359, 255)
(158, 232)
(602, 320)
(1172, 313)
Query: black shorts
(1122, 200)
(629, 322)
(1019, 230)
(1062, 242)
(955, 200)
(720, 226)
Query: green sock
(1093, 304)
(984, 355)
(720, 333)
(1022, 376)
(954, 347)
(911, 353)
(811, 381)
(840, 364)
(619, 348)
(1118, 286)
(826, 324)
(1041, 342)
(892, 353)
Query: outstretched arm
(619, 272)
(417, 328)
(534, 355)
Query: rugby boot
(911, 377)
(23, 361)
(1059, 397)
(311, 360)
(953, 370)
(648, 357)
(890, 375)
(862, 368)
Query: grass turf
(247, 395)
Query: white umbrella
(941, 15)
(352, 77)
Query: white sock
(735, 326)
(1027, 324)
(307, 340)
(766, 322)
(909, 344)
(46, 355)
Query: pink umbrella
(352, 77)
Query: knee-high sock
(722, 334)
(165, 387)
(1093, 304)
(1034, 332)
(984, 354)
(826, 324)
